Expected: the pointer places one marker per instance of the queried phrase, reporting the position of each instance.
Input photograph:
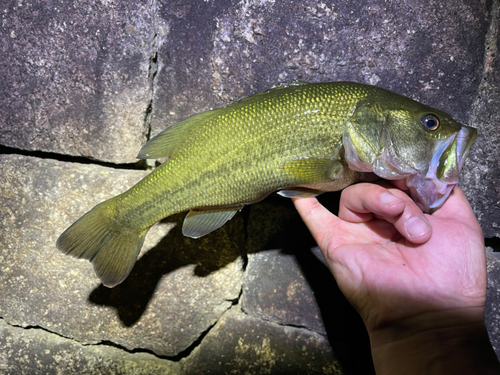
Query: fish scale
(299, 138)
(189, 183)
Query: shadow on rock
(271, 224)
(275, 224)
(208, 254)
(345, 330)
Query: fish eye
(429, 122)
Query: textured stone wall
(84, 84)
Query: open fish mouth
(430, 189)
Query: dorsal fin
(281, 88)
(165, 143)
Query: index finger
(320, 222)
(331, 231)
(360, 202)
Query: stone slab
(35, 351)
(422, 49)
(211, 54)
(481, 175)
(275, 289)
(177, 290)
(183, 84)
(77, 78)
(293, 287)
(492, 312)
(399, 45)
(242, 344)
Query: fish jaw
(430, 189)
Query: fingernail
(388, 199)
(417, 227)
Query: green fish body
(297, 139)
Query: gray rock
(76, 81)
(274, 289)
(95, 78)
(177, 290)
(292, 287)
(492, 253)
(481, 175)
(492, 312)
(241, 344)
(35, 351)
(183, 84)
(216, 54)
(442, 56)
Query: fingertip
(309, 209)
(409, 220)
(418, 229)
(304, 204)
(320, 222)
(406, 216)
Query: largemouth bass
(298, 139)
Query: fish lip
(465, 139)
(428, 191)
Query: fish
(297, 139)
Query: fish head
(398, 138)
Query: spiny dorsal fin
(272, 92)
(165, 143)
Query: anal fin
(201, 222)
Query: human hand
(384, 271)
(404, 271)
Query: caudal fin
(96, 236)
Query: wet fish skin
(298, 138)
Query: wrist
(437, 343)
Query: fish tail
(111, 246)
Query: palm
(387, 277)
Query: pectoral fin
(312, 170)
(201, 222)
(296, 193)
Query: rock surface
(413, 48)
(96, 79)
(493, 302)
(78, 79)
(176, 291)
(35, 351)
(481, 177)
(275, 289)
(241, 344)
